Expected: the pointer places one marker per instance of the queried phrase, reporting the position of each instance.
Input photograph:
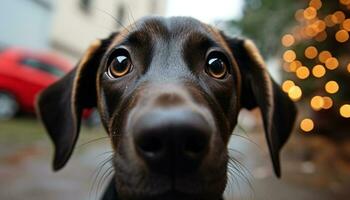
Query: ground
(312, 167)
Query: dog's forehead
(179, 29)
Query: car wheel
(8, 106)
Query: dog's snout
(172, 141)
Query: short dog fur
(168, 91)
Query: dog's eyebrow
(201, 40)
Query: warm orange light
(324, 55)
(346, 24)
(338, 17)
(344, 2)
(321, 36)
(307, 125)
(329, 21)
(332, 63)
(310, 31)
(327, 103)
(345, 110)
(332, 87)
(299, 15)
(348, 67)
(311, 52)
(320, 25)
(302, 72)
(317, 4)
(295, 93)
(318, 71)
(289, 56)
(310, 13)
(294, 65)
(342, 36)
(288, 40)
(287, 85)
(316, 103)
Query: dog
(168, 91)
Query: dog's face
(168, 91)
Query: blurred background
(304, 42)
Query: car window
(48, 68)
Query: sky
(207, 11)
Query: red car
(23, 74)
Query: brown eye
(120, 66)
(216, 68)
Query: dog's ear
(258, 89)
(60, 106)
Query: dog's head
(168, 91)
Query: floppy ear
(260, 90)
(60, 106)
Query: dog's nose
(172, 141)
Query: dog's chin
(166, 188)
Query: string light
(317, 103)
(295, 93)
(324, 55)
(293, 66)
(332, 63)
(331, 87)
(318, 71)
(287, 85)
(338, 17)
(342, 36)
(317, 4)
(310, 13)
(327, 103)
(345, 110)
(311, 52)
(288, 40)
(289, 56)
(346, 24)
(307, 125)
(302, 72)
(344, 2)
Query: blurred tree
(312, 38)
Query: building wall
(25, 23)
(76, 26)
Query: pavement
(313, 168)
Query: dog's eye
(120, 66)
(216, 67)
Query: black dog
(168, 91)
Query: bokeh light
(317, 4)
(295, 93)
(346, 24)
(324, 55)
(289, 56)
(302, 72)
(307, 125)
(317, 103)
(345, 110)
(342, 36)
(348, 67)
(287, 85)
(338, 17)
(288, 40)
(327, 102)
(318, 71)
(332, 63)
(331, 87)
(310, 13)
(311, 52)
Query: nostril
(151, 146)
(195, 145)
